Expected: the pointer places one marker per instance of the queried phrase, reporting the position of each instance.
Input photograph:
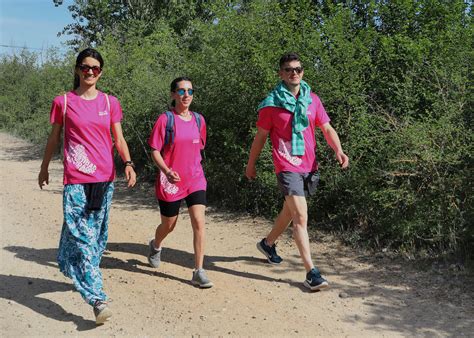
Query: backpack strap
(169, 131)
(64, 124)
(108, 101)
(198, 122)
(64, 108)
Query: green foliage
(394, 76)
(96, 20)
(25, 100)
(138, 73)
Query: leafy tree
(394, 76)
(96, 19)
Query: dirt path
(369, 296)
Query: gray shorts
(298, 184)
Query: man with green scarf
(290, 115)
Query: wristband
(129, 164)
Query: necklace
(185, 116)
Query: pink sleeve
(265, 118)
(157, 137)
(321, 115)
(56, 113)
(116, 113)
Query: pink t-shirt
(278, 122)
(183, 156)
(88, 147)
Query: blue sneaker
(269, 252)
(314, 281)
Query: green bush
(395, 78)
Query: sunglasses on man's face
(96, 70)
(182, 91)
(298, 70)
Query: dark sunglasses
(298, 70)
(182, 91)
(96, 70)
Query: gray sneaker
(102, 312)
(200, 279)
(154, 257)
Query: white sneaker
(154, 257)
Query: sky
(33, 24)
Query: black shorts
(171, 209)
(298, 184)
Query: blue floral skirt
(83, 241)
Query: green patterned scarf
(281, 97)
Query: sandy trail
(368, 295)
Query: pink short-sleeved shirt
(183, 156)
(88, 146)
(278, 122)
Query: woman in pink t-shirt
(86, 115)
(181, 177)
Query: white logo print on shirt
(102, 113)
(284, 149)
(168, 187)
(78, 157)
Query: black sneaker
(102, 312)
(269, 252)
(314, 281)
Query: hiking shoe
(102, 312)
(314, 281)
(269, 252)
(200, 279)
(154, 257)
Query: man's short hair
(288, 57)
